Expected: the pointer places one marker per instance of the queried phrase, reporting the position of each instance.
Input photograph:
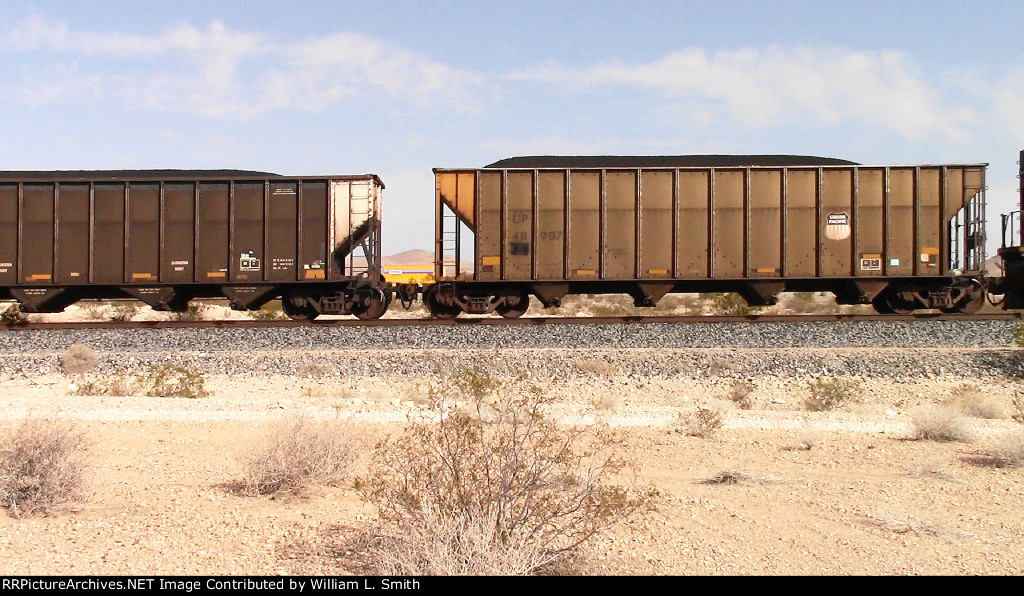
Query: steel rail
(497, 321)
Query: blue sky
(397, 88)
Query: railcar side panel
(488, 235)
(838, 216)
(108, 242)
(143, 233)
(246, 258)
(584, 225)
(179, 233)
(72, 258)
(37, 238)
(765, 209)
(619, 230)
(313, 230)
(801, 230)
(8, 234)
(550, 225)
(212, 244)
(518, 226)
(283, 232)
(692, 225)
(929, 222)
(729, 224)
(870, 221)
(656, 241)
(900, 223)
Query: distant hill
(994, 267)
(410, 257)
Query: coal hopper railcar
(900, 237)
(167, 236)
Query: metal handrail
(1011, 229)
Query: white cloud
(1008, 103)
(217, 71)
(319, 72)
(769, 87)
(37, 34)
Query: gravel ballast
(918, 349)
(908, 334)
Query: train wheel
(375, 307)
(298, 312)
(900, 306)
(881, 306)
(437, 309)
(517, 310)
(972, 303)
(889, 302)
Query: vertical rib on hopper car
(901, 237)
(165, 237)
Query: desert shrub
(118, 385)
(313, 370)
(95, 310)
(729, 303)
(940, 423)
(1017, 406)
(174, 381)
(298, 454)
(677, 302)
(1018, 335)
(123, 312)
(494, 488)
(193, 312)
(728, 477)
(598, 367)
(442, 544)
(979, 404)
(157, 381)
(899, 522)
(13, 317)
(933, 468)
(741, 393)
(271, 311)
(702, 422)
(610, 306)
(1007, 451)
(42, 463)
(78, 359)
(830, 393)
(607, 402)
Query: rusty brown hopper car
(168, 236)
(899, 237)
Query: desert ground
(777, 489)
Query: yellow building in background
(409, 274)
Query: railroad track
(497, 321)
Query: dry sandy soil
(841, 492)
